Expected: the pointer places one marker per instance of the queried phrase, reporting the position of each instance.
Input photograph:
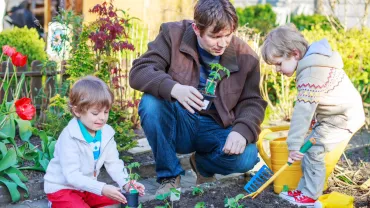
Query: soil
(215, 195)
(357, 169)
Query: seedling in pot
(211, 84)
(132, 196)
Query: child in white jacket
(83, 147)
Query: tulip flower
(9, 51)
(19, 60)
(25, 109)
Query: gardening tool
(276, 152)
(303, 150)
(334, 200)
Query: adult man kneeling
(170, 73)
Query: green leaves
(8, 160)
(197, 191)
(233, 202)
(200, 205)
(25, 129)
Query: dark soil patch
(215, 195)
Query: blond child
(325, 93)
(83, 147)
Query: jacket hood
(320, 54)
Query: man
(170, 73)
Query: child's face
(286, 66)
(94, 118)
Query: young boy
(83, 147)
(324, 92)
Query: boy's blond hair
(88, 92)
(282, 42)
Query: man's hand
(136, 185)
(188, 96)
(295, 156)
(235, 144)
(113, 193)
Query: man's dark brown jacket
(173, 58)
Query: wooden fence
(39, 85)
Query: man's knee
(150, 106)
(248, 159)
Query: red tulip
(25, 109)
(19, 60)
(9, 51)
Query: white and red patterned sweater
(324, 90)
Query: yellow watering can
(277, 155)
(334, 200)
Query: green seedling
(233, 202)
(174, 195)
(133, 176)
(215, 76)
(197, 191)
(200, 205)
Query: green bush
(309, 22)
(261, 17)
(26, 41)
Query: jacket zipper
(95, 162)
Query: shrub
(27, 41)
(310, 22)
(261, 17)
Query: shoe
(200, 179)
(167, 184)
(299, 200)
(291, 193)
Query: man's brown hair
(89, 92)
(220, 13)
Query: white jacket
(73, 164)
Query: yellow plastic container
(334, 200)
(277, 154)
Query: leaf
(238, 197)
(3, 149)
(25, 128)
(200, 205)
(18, 172)
(162, 196)
(51, 148)
(44, 163)
(44, 138)
(18, 181)
(8, 160)
(8, 130)
(12, 187)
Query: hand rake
(265, 173)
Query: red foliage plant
(110, 31)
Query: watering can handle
(261, 150)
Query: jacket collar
(189, 45)
(74, 130)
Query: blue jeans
(171, 129)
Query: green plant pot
(132, 200)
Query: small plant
(215, 76)
(133, 195)
(200, 205)
(174, 195)
(197, 191)
(233, 202)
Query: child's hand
(113, 193)
(295, 156)
(136, 185)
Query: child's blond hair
(90, 91)
(282, 42)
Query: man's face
(214, 43)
